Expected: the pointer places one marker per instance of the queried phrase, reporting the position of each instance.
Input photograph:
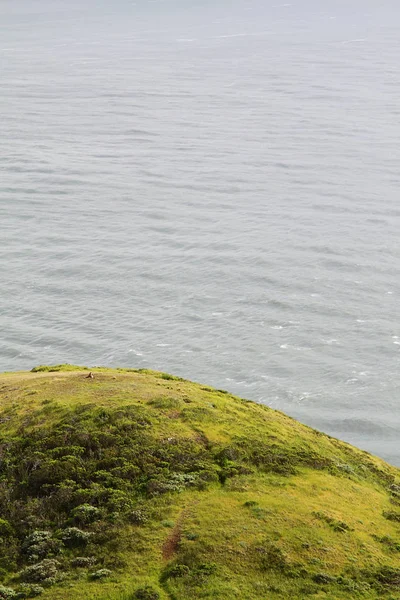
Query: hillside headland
(136, 484)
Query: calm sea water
(209, 188)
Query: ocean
(209, 189)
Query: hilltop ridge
(140, 485)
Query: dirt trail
(171, 544)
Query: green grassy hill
(140, 485)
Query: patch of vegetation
(27, 590)
(336, 524)
(169, 377)
(135, 484)
(6, 592)
(385, 578)
(271, 557)
(392, 515)
(146, 593)
(45, 571)
(57, 368)
(391, 544)
(100, 574)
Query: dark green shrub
(86, 513)
(100, 574)
(73, 537)
(46, 571)
(118, 501)
(176, 483)
(324, 578)
(271, 557)
(39, 544)
(392, 515)
(83, 561)
(388, 576)
(177, 570)
(336, 525)
(35, 538)
(5, 529)
(270, 458)
(56, 368)
(297, 571)
(7, 593)
(27, 590)
(389, 542)
(146, 593)
(204, 570)
(352, 586)
(138, 517)
(344, 468)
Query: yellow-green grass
(238, 500)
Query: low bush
(350, 585)
(146, 593)
(46, 571)
(324, 578)
(177, 570)
(56, 368)
(138, 516)
(40, 544)
(204, 570)
(7, 593)
(169, 377)
(388, 542)
(100, 574)
(83, 561)
(392, 515)
(388, 576)
(27, 590)
(271, 557)
(85, 514)
(73, 537)
(250, 504)
(335, 524)
(5, 529)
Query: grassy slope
(269, 508)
